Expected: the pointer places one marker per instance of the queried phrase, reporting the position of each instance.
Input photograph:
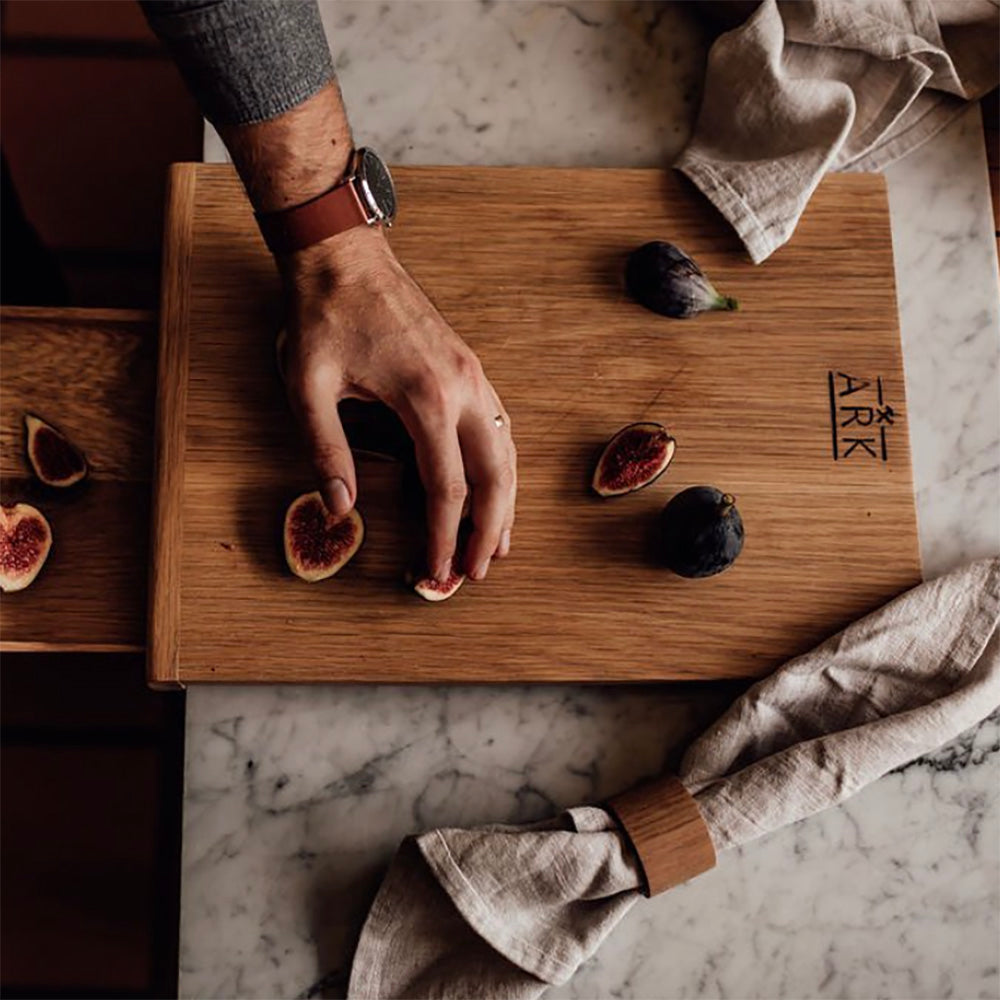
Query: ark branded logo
(859, 417)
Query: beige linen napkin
(807, 86)
(503, 911)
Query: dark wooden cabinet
(92, 760)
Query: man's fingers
(491, 465)
(316, 408)
(439, 460)
(503, 549)
(332, 459)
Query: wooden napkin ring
(665, 828)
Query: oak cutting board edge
(169, 437)
(526, 264)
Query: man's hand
(359, 326)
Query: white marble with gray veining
(296, 797)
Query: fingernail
(443, 571)
(340, 497)
(479, 573)
(504, 542)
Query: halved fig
(433, 590)
(635, 457)
(53, 457)
(25, 540)
(318, 544)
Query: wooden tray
(795, 404)
(91, 372)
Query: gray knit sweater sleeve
(244, 60)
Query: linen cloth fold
(807, 86)
(504, 911)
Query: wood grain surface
(526, 264)
(91, 373)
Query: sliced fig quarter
(25, 540)
(53, 457)
(434, 590)
(635, 457)
(318, 544)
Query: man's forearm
(245, 60)
(295, 156)
(261, 72)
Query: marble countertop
(297, 796)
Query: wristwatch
(366, 196)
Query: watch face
(376, 183)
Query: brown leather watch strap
(665, 828)
(326, 215)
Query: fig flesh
(635, 457)
(701, 532)
(53, 457)
(434, 590)
(25, 540)
(318, 544)
(666, 280)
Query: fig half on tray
(635, 457)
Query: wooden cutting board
(795, 404)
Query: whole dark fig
(701, 532)
(635, 457)
(664, 278)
